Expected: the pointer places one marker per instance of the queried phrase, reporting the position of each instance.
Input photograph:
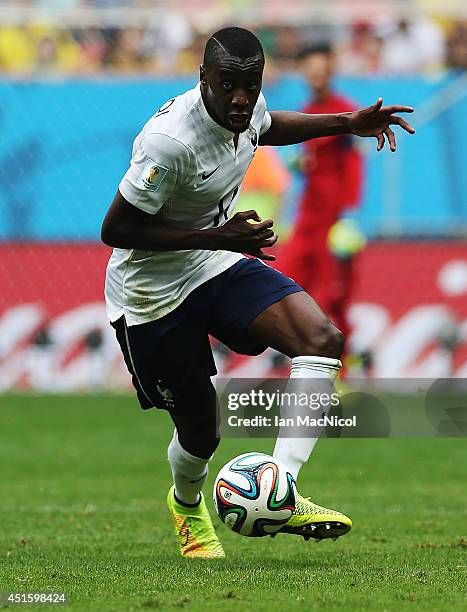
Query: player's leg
(260, 307)
(171, 363)
(193, 444)
(297, 327)
(190, 450)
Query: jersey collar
(209, 121)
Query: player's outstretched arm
(128, 227)
(374, 121)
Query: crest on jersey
(152, 175)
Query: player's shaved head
(234, 41)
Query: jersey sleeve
(262, 119)
(159, 164)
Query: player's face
(318, 70)
(230, 90)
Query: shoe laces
(304, 505)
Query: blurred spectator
(126, 52)
(56, 52)
(189, 58)
(411, 47)
(17, 50)
(362, 54)
(315, 255)
(456, 52)
(94, 48)
(265, 186)
(164, 39)
(286, 46)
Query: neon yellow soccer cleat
(312, 521)
(194, 530)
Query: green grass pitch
(83, 487)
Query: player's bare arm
(128, 227)
(373, 121)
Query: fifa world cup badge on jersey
(152, 175)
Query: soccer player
(333, 181)
(178, 270)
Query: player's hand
(246, 233)
(375, 121)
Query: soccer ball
(254, 495)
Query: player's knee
(199, 437)
(324, 341)
(208, 439)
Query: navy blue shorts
(170, 359)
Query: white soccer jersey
(186, 170)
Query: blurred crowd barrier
(73, 37)
(408, 317)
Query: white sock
(189, 472)
(294, 452)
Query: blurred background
(378, 239)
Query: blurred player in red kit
(319, 253)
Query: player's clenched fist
(246, 233)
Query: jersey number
(223, 211)
(164, 108)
